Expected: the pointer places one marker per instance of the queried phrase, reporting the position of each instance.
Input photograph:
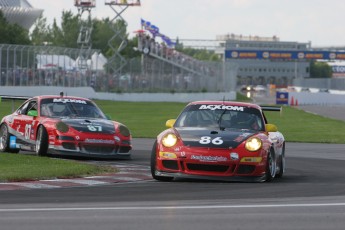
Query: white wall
(88, 92)
(309, 98)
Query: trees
(320, 70)
(41, 35)
(12, 33)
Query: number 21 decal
(207, 140)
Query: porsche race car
(70, 126)
(219, 140)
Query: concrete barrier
(309, 98)
(88, 92)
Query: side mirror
(170, 123)
(271, 128)
(108, 116)
(32, 113)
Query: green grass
(144, 119)
(20, 167)
(147, 119)
(300, 126)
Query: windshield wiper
(220, 121)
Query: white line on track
(172, 207)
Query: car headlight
(62, 127)
(253, 144)
(124, 131)
(169, 140)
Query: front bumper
(215, 178)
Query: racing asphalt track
(311, 195)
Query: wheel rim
(3, 137)
(271, 165)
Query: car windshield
(224, 117)
(69, 107)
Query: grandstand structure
(20, 12)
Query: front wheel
(5, 140)
(41, 141)
(153, 166)
(270, 166)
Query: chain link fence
(58, 66)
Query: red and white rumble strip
(128, 173)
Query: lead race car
(70, 126)
(219, 140)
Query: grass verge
(20, 167)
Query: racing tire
(270, 166)
(153, 166)
(281, 164)
(5, 140)
(41, 141)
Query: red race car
(70, 126)
(219, 140)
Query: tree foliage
(200, 54)
(320, 70)
(12, 33)
(41, 34)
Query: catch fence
(58, 66)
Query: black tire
(281, 164)
(5, 140)
(270, 166)
(153, 166)
(41, 141)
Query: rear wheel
(270, 166)
(41, 141)
(153, 166)
(5, 140)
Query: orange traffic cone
(292, 101)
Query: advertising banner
(282, 98)
(286, 55)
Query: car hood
(91, 125)
(213, 138)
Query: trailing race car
(219, 140)
(70, 126)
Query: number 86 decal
(207, 140)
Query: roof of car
(58, 96)
(232, 103)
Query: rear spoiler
(272, 108)
(5, 97)
(13, 98)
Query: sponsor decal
(99, 141)
(222, 107)
(13, 141)
(241, 137)
(209, 158)
(205, 140)
(67, 100)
